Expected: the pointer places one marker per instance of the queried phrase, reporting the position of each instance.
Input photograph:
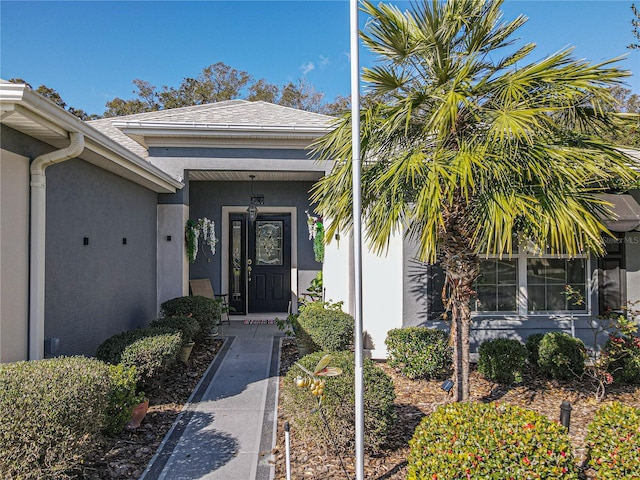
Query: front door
(260, 263)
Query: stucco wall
(94, 291)
(207, 199)
(14, 256)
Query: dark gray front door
(269, 260)
(259, 263)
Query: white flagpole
(357, 236)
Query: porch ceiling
(243, 176)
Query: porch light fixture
(255, 200)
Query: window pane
(536, 298)
(571, 305)
(555, 271)
(555, 298)
(507, 272)
(507, 298)
(535, 271)
(575, 271)
(496, 288)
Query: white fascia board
(50, 115)
(164, 129)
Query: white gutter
(38, 239)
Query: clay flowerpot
(138, 414)
(185, 352)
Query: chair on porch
(202, 287)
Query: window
(529, 283)
(497, 286)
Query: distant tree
(55, 97)
(263, 91)
(301, 95)
(636, 25)
(219, 82)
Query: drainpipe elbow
(39, 164)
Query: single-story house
(247, 167)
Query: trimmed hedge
(324, 326)
(339, 403)
(502, 360)
(52, 414)
(613, 442)
(419, 352)
(150, 350)
(561, 356)
(206, 311)
(122, 398)
(533, 346)
(624, 354)
(188, 325)
(478, 440)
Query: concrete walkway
(227, 429)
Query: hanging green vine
(191, 237)
(318, 242)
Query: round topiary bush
(189, 326)
(561, 356)
(52, 414)
(533, 345)
(419, 352)
(299, 405)
(324, 326)
(151, 350)
(205, 310)
(478, 440)
(502, 360)
(613, 442)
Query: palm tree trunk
(461, 266)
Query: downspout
(38, 239)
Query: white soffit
(243, 176)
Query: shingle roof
(231, 112)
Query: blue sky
(90, 51)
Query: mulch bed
(417, 398)
(127, 454)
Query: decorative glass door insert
(269, 242)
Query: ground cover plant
(477, 440)
(613, 441)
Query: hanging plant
(194, 230)
(316, 233)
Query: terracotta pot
(138, 414)
(185, 352)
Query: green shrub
(188, 325)
(150, 350)
(339, 404)
(624, 355)
(205, 310)
(419, 352)
(561, 356)
(122, 398)
(324, 326)
(52, 414)
(533, 345)
(502, 360)
(478, 440)
(613, 442)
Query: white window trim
(522, 300)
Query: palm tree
(469, 148)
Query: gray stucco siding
(18, 142)
(207, 199)
(94, 291)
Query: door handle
(249, 262)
